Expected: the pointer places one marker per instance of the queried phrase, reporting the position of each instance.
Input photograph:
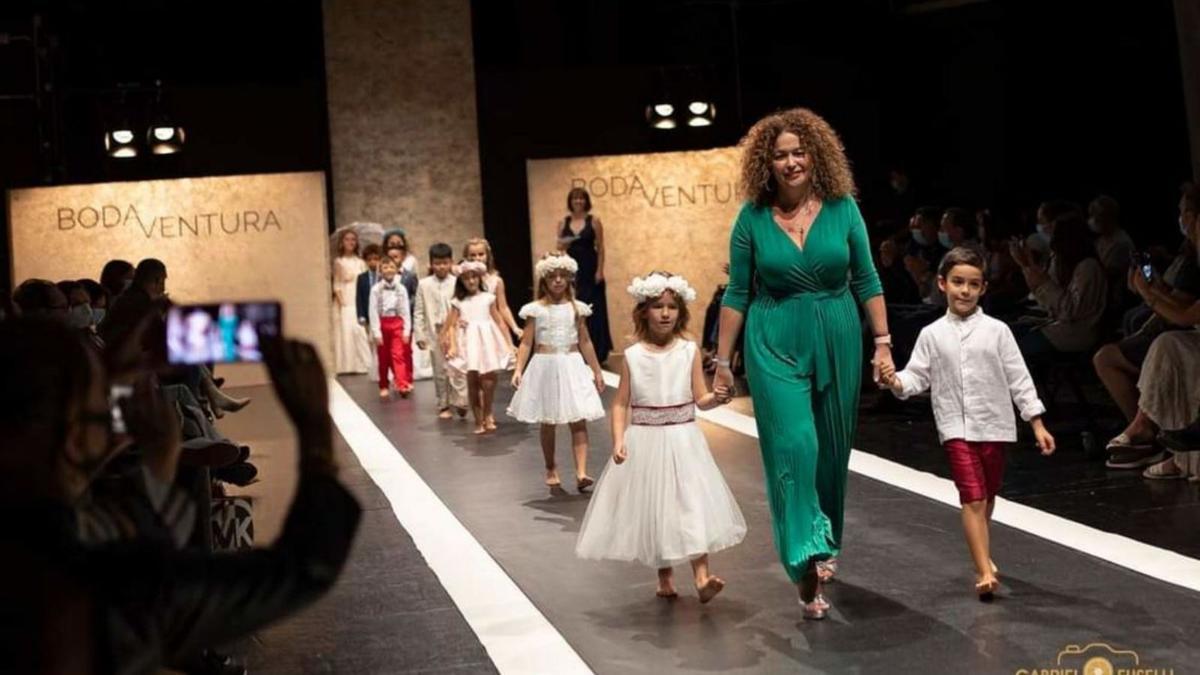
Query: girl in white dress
(478, 249)
(351, 345)
(476, 344)
(563, 382)
(662, 500)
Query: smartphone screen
(1148, 271)
(226, 332)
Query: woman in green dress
(799, 257)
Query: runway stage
(488, 579)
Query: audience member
(1073, 293)
(138, 605)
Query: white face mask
(944, 240)
(919, 237)
(98, 315)
(80, 316)
(1183, 228)
(1093, 225)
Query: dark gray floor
(387, 614)
(903, 602)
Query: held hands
(722, 394)
(724, 380)
(619, 454)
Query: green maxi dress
(803, 354)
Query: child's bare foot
(445, 414)
(490, 423)
(384, 394)
(986, 587)
(552, 479)
(666, 584)
(711, 587)
(480, 430)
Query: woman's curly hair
(831, 177)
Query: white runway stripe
(1143, 558)
(517, 636)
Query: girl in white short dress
(563, 381)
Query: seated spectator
(79, 310)
(1113, 244)
(1073, 293)
(116, 276)
(924, 252)
(142, 604)
(898, 284)
(99, 299)
(958, 229)
(38, 298)
(1038, 243)
(1169, 404)
(1006, 292)
(1119, 364)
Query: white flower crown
(472, 266)
(655, 284)
(553, 263)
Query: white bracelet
(884, 340)
(723, 363)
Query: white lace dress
(668, 502)
(352, 352)
(556, 388)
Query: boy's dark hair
(372, 249)
(440, 251)
(387, 260)
(962, 255)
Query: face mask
(1093, 225)
(98, 315)
(944, 240)
(919, 237)
(1183, 228)
(1042, 234)
(126, 284)
(80, 316)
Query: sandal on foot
(1122, 441)
(710, 589)
(1164, 470)
(666, 595)
(986, 590)
(826, 569)
(584, 484)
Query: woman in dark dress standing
(581, 236)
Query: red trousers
(394, 354)
(977, 468)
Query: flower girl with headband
(476, 343)
(563, 381)
(662, 500)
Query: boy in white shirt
(434, 294)
(390, 328)
(972, 363)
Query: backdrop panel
(222, 238)
(665, 211)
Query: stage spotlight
(165, 139)
(661, 115)
(702, 114)
(119, 143)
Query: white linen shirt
(389, 299)
(976, 372)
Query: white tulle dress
(668, 502)
(556, 388)
(482, 345)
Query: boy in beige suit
(434, 293)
